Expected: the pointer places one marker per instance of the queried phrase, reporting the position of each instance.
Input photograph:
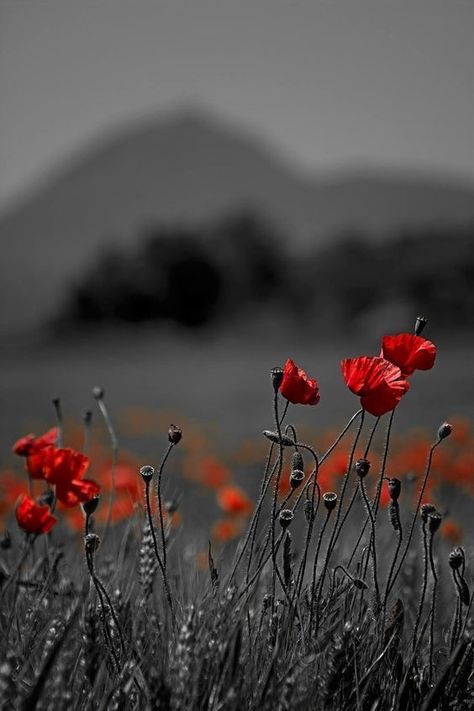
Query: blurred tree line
(241, 265)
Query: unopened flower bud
(456, 558)
(420, 323)
(98, 392)
(147, 473)
(87, 417)
(358, 583)
(47, 498)
(362, 467)
(286, 517)
(92, 542)
(394, 488)
(277, 377)
(6, 541)
(297, 461)
(90, 506)
(284, 439)
(174, 434)
(445, 430)
(434, 521)
(425, 510)
(330, 500)
(296, 478)
(308, 510)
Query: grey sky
(329, 82)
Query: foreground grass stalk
(99, 398)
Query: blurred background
(193, 191)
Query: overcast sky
(329, 82)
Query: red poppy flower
(34, 518)
(233, 500)
(31, 443)
(409, 352)
(297, 387)
(225, 530)
(65, 468)
(378, 383)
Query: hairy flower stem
(415, 515)
(275, 494)
(99, 584)
(372, 544)
(423, 589)
(155, 546)
(114, 445)
(107, 636)
(397, 550)
(160, 507)
(315, 563)
(309, 533)
(433, 603)
(456, 623)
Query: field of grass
(308, 606)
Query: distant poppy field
(307, 568)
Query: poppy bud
(358, 583)
(98, 392)
(330, 500)
(286, 517)
(308, 510)
(456, 558)
(297, 476)
(87, 417)
(425, 510)
(362, 467)
(6, 541)
(174, 434)
(47, 498)
(420, 323)
(277, 377)
(445, 430)
(92, 542)
(434, 521)
(284, 439)
(91, 506)
(297, 461)
(394, 488)
(147, 473)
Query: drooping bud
(434, 521)
(426, 510)
(394, 488)
(330, 500)
(174, 434)
(456, 558)
(277, 377)
(92, 542)
(297, 461)
(362, 467)
(286, 517)
(147, 473)
(284, 439)
(420, 323)
(90, 506)
(445, 430)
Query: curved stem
(160, 508)
(423, 589)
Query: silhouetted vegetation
(235, 266)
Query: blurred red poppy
(225, 530)
(233, 500)
(65, 468)
(33, 448)
(452, 531)
(32, 517)
(297, 387)
(409, 352)
(378, 383)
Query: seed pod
(286, 517)
(174, 434)
(456, 558)
(445, 430)
(147, 473)
(297, 463)
(297, 476)
(362, 467)
(284, 439)
(393, 515)
(330, 500)
(394, 488)
(434, 521)
(98, 392)
(425, 510)
(91, 506)
(420, 323)
(277, 377)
